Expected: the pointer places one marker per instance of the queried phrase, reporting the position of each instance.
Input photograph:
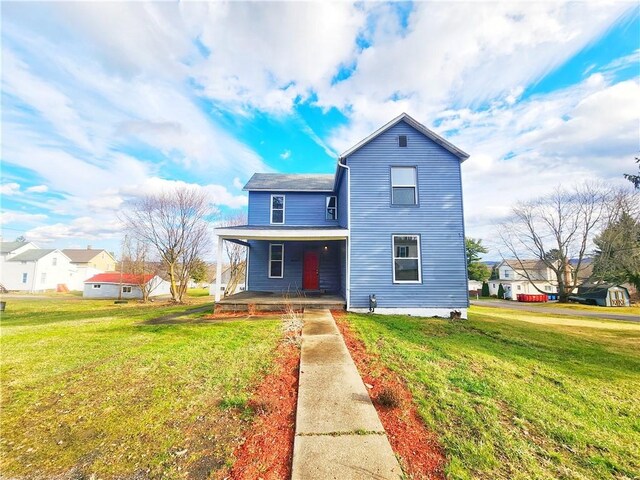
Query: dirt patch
(267, 452)
(421, 455)
(210, 318)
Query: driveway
(553, 308)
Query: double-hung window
(332, 208)
(277, 209)
(404, 186)
(276, 260)
(406, 259)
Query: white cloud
(585, 132)
(9, 217)
(218, 194)
(161, 86)
(237, 183)
(38, 189)
(450, 57)
(265, 55)
(81, 227)
(10, 189)
(285, 155)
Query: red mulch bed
(421, 455)
(267, 452)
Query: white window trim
(415, 186)
(281, 261)
(284, 200)
(326, 210)
(128, 287)
(393, 258)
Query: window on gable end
(402, 140)
(404, 186)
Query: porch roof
(279, 232)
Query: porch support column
(218, 269)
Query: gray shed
(605, 295)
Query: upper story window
(406, 259)
(404, 186)
(54, 261)
(332, 208)
(402, 140)
(277, 208)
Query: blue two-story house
(389, 222)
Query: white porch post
(218, 269)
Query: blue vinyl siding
(438, 219)
(343, 198)
(329, 271)
(301, 208)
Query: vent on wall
(402, 140)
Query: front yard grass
(89, 388)
(520, 395)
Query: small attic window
(402, 140)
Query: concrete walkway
(338, 432)
(553, 308)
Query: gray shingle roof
(32, 255)
(82, 255)
(294, 182)
(8, 247)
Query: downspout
(348, 289)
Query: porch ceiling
(271, 232)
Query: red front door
(310, 278)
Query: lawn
(89, 388)
(520, 395)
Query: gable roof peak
(416, 125)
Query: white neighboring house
(512, 276)
(109, 285)
(8, 250)
(35, 269)
(88, 262)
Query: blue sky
(104, 101)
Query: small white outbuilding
(127, 286)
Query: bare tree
(617, 253)
(137, 261)
(555, 229)
(235, 254)
(175, 224)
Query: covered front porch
(290, 265)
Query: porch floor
(270, 301)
